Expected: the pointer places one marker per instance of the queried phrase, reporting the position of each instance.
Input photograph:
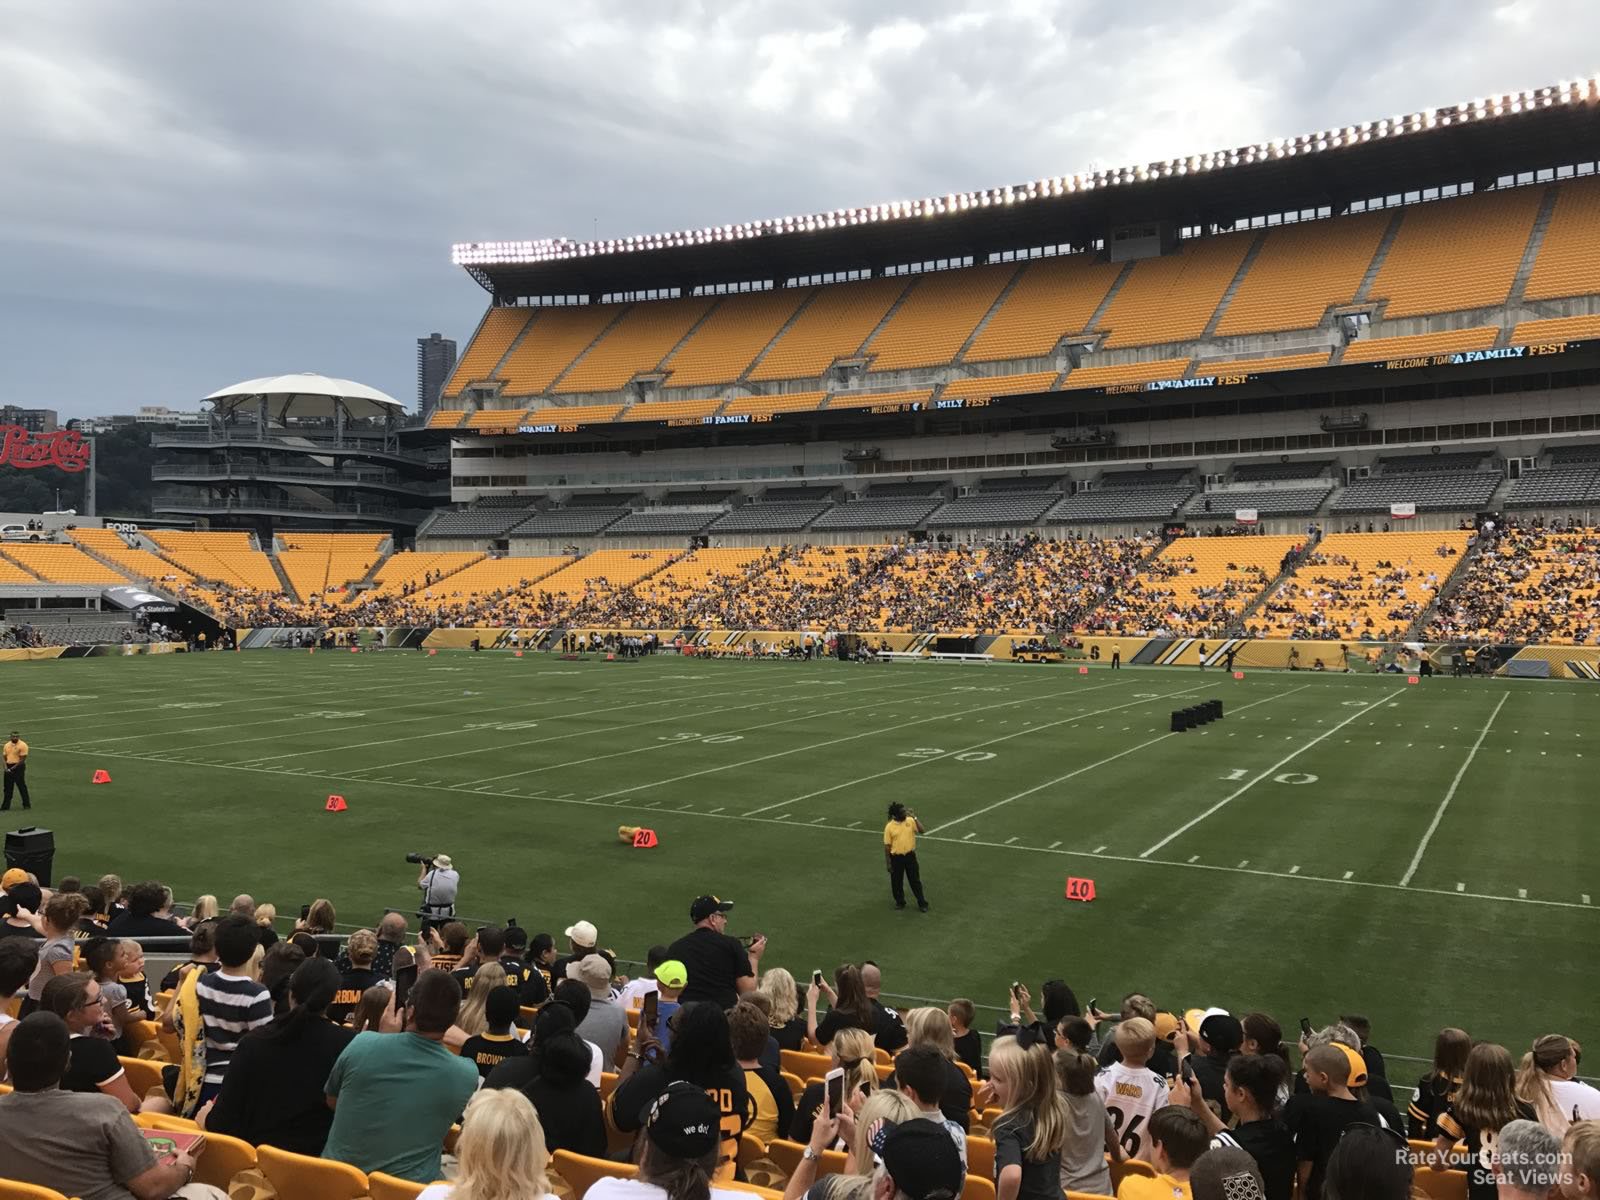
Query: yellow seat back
(580, 1171)
(307, 1178)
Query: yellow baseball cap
(11, 878)
(1166, 1025)
(1358, 1067)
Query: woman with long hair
(788, 1026)
(1547, 1080)
(369, 1010)
(266, 919)
(1032, 1128)
(273, 1093)
(1263, 1035)
(1485, 1103)
(1253, 1087)
(931, 1027)
(848, 1005)
(205, 909)
(470, 1021)
(501, 1154)
(1450, 1049)
(852, 1050)
(554, 1078)
(319, 918)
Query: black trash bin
(33, 850)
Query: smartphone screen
(834, 1091)
(648, 1015)
(305, 911)
(1305, 1027)
(816, 978)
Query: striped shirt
(230, 1006)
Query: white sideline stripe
(1433, 826)
(975, 746)
(1104, 761)
(782, 819)
(1273, 769)
(179, 714)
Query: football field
(1423, 854)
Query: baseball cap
(1223, 1033)
(1226, 1173)
(583, 933)
(704, 906)
(920, 1157)
(672, 974)
(11, 878)
(686, 1123)
(1358, 1067)
(1166, 1025)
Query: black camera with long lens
(425, 860)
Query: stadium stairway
(284, 581)
(1541, 223)
(1106, 301)
(1378, 258)
(1449, 587)
(999, 301)
(755, 362)
(1238, 278)
(19, 566)
(550, 388)
(1241, 622)
(889, 315)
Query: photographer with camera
(438, 881)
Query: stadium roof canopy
(306, 395)
(1476, 142)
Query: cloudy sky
(194, 193)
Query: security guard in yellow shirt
(15, 753)
(900, 854)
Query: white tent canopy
(306, 395)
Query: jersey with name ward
(1131, 1096)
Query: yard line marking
(1053, 845)
(1109, 759)
(1294, 870)
(1010, 840)
(870, 733)
(1461, 887)
(1586, 897)
(1348, 874)
(1099, 849)
(1522, 893)
(1243, 863)
(1194, 858)
(1422, 846)
(1270, 771)
(969, 837)
(854, 823)
(716, 810)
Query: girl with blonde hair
(205, 909)
(852, 1050)
(1547, 1080)
(1029, 1133)
(501, 1154)
(471, 1021)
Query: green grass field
(1279, 859)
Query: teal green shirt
(398, 1096)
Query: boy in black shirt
(541, 957)
(1319, 1118)
(488, 1050)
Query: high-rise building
(436, 358)
(43, 420)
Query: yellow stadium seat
(842, 400)
(634, 345)
(797, 1086)
(580, 1171)
(1440, 1185)
(143, 1075)
(1053, 298)
(737, 330)
(13, 1189)
(978, 1188)
(1144, 372)
(137, 1034)
(806, 1066)
(832, 326)
(980, 1156)
(1556, 329)
(1301, 271)
(733, 1185)
(1456, 254)
(1088, 1196)
(1569, 257)
(556, 337)
(1130, 1166)
(987, 386)
(750, 1149)
(786, 1155)
(1172, 298)
(387, 1187)
(499, 328)
(937, 316)
(307, 1178)
(1420, 345)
